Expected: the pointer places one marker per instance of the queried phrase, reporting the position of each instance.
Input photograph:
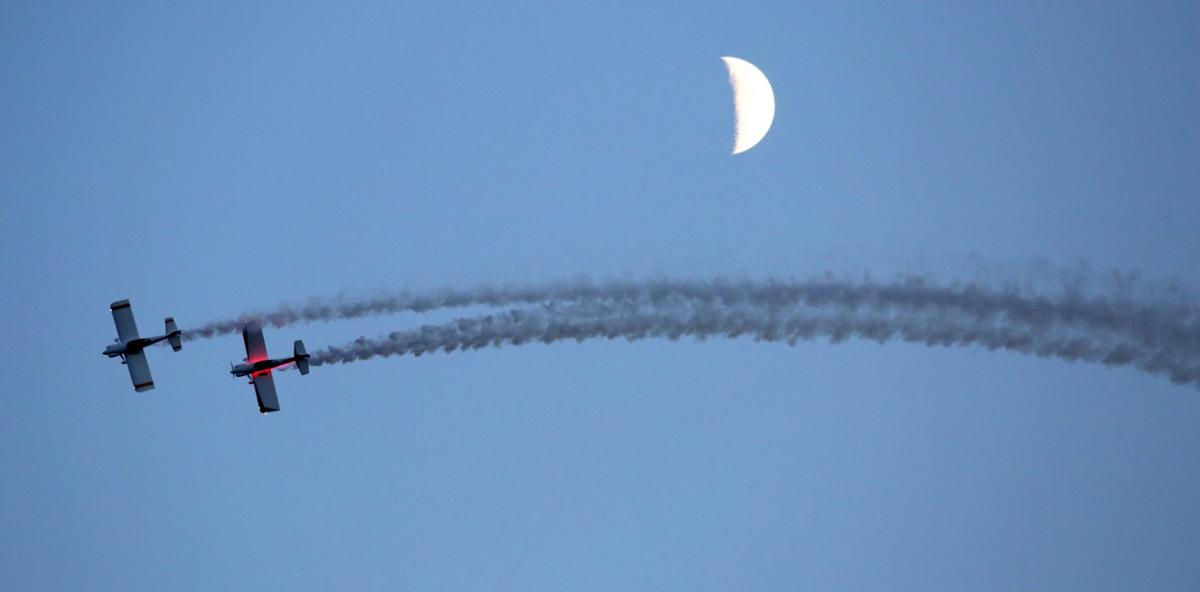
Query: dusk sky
(211, 160)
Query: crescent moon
(753, 103)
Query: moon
(753, 103)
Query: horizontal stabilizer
(301, 356)
(174, 335)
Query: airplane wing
(256, 346)
(264, 389)
(139, 371)
(123, 318)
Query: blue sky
(207, 160)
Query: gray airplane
(129, 346)
(258, 366)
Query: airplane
(129, 346)
(258, 366)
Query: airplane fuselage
(249, 368)
(132, 346)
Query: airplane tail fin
(301, 356)
(174, 335)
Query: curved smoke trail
(680, 317)
(1174, 328)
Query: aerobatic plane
(258, 366)
(129, 346)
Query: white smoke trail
(1169, 327)
(682, 317)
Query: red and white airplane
(258, 366)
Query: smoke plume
(1042, 329)
(1170, 329)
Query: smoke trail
(1173, 327)
(680, 317)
